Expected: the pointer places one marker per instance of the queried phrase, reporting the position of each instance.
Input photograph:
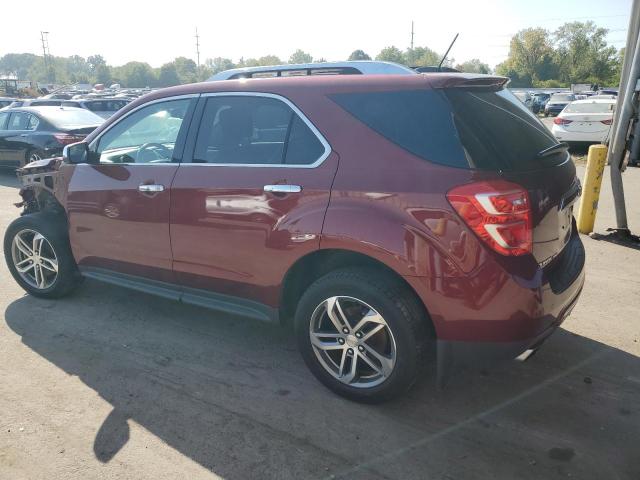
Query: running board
(193, 296)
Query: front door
(253, 198)
(118, 209)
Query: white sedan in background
(586, 121)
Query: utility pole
(411, 34)
(198, 46)
(44, 38)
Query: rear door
(18, 136)
(4, 156)
(253, 197)
(118, 209)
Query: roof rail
(356, 67)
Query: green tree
(187, 69)
(583, 54)
(219, 64)
(135, 75)
(359, 55)
(473, 66)
(19, 64)
(300, 56)
(391, 54)
(421, 57)
(102, 74)
(168, 75)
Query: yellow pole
(596, 160)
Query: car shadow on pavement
(235, 396)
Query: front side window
(148, 135)
(254, 130)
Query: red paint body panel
(228, 235)
(369, 196)
(113, 225)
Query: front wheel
(363, 334)
(37, 252)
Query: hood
(44, 165)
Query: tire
(405, 337)
(30, 156)
(546, 114)
(49, 284)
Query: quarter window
(148, 135)
(254, 130)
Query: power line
(411, 34)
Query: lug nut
(350, 351)
(345, 330)
(361, 348)
(359, 334)
(341, 341)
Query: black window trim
(196, 126)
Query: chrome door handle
(283, 188)
(151, 188)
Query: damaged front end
(40, 180)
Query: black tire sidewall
(53, 228)
(375, 290)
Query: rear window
(591, 107)
(484, 130)
(106, 105)
(72, 118)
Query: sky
(158, 31)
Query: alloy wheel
(34, 259)
(352, 341)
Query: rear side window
(254, 130)
(475, 129)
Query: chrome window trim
(131, 112)
(296, 110)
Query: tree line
(577, 52)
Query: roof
(596, 100)
(44, 109)
(366, 67)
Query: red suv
(395, 218)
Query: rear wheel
(363, 334)
(37, 252)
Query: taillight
(66, 139)
(498, 212)
(608, 121)
(561, 121)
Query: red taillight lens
(608, 121)
(66, 139)
(498, 212)
(561, 121)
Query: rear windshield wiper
(557, 148)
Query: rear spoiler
(467, 82)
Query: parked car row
(32, 133)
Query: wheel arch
(318, 263)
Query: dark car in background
(103, 107)
(557, 102)
(539, 101)
(32, 133)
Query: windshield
(71, 117)
(591, 107)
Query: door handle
(283, 188)
(24, 134)
(145, 188)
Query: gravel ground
(112, 384)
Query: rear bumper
(565, 135)
(511, 314)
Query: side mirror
(76, 153)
